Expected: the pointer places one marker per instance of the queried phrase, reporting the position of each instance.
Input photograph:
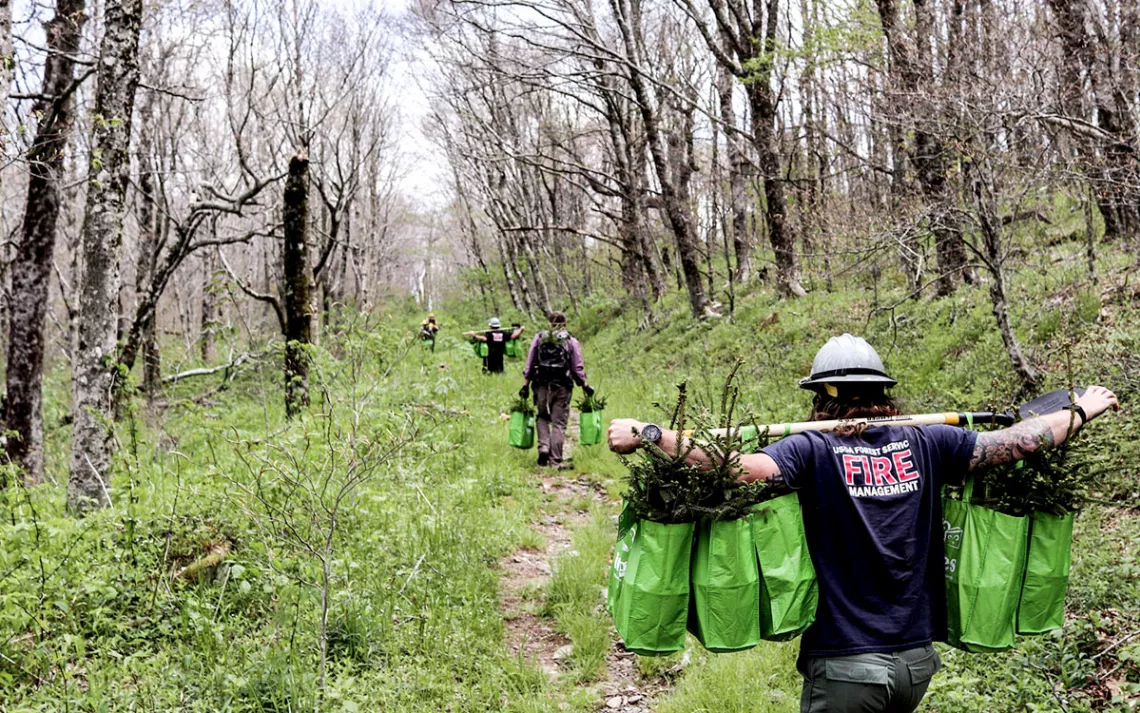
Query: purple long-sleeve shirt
(577, 370)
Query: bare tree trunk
(764, 108)
(994, 259)
(1109, 162)
(931, 160)
(737, 181)
(209, 323)
(535, 271)
(147, 247)
(638, 167)
(7, 65)
(780, 233)
(679, 143)
(297, 293)
(627, 16)
(31, 268)
(756, 54)
(511, 290)
(96, 370)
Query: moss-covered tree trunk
(31, 267)
(95, 377)
(298, 286)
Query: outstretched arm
(1041, 433)
(625, 437)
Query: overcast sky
(425, 177)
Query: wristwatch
(651, 433)
(1080, 412)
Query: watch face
(651, 433)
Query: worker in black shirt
(496, 338)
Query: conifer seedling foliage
(522, 405)
(590, 404)
(668, 489)
(1045, 482)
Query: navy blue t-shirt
(873, 517)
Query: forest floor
(526, 574)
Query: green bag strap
(968, 483)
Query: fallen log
(214, 557)
(207, 370)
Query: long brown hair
(854, 401)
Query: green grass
(87, 614)
(761, 680)
(90, 620)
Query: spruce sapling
(669, 489)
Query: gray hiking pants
(867, 683)
(552, 402)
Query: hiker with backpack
(872, 514)
(496, 339)
(553, 366)
(428, 329)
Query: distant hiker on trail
(514, 349)
(877, 551)
(553, 365)
(428, 329)
(496, 338)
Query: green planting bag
(789, 590)
(648, 592)
(481, 349)
(512, 349)
(749, 439)
(428, 344)
(1042, 606)
(521, 434)
(985, 566)
(626, 523)
(590, 428)
(725, 587)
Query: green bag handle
(968, 482)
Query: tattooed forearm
(1010, 444)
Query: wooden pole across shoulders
(950, 418)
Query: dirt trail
(526, 572)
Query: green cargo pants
(867, 683)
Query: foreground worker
(553, 365)
(877, 550)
